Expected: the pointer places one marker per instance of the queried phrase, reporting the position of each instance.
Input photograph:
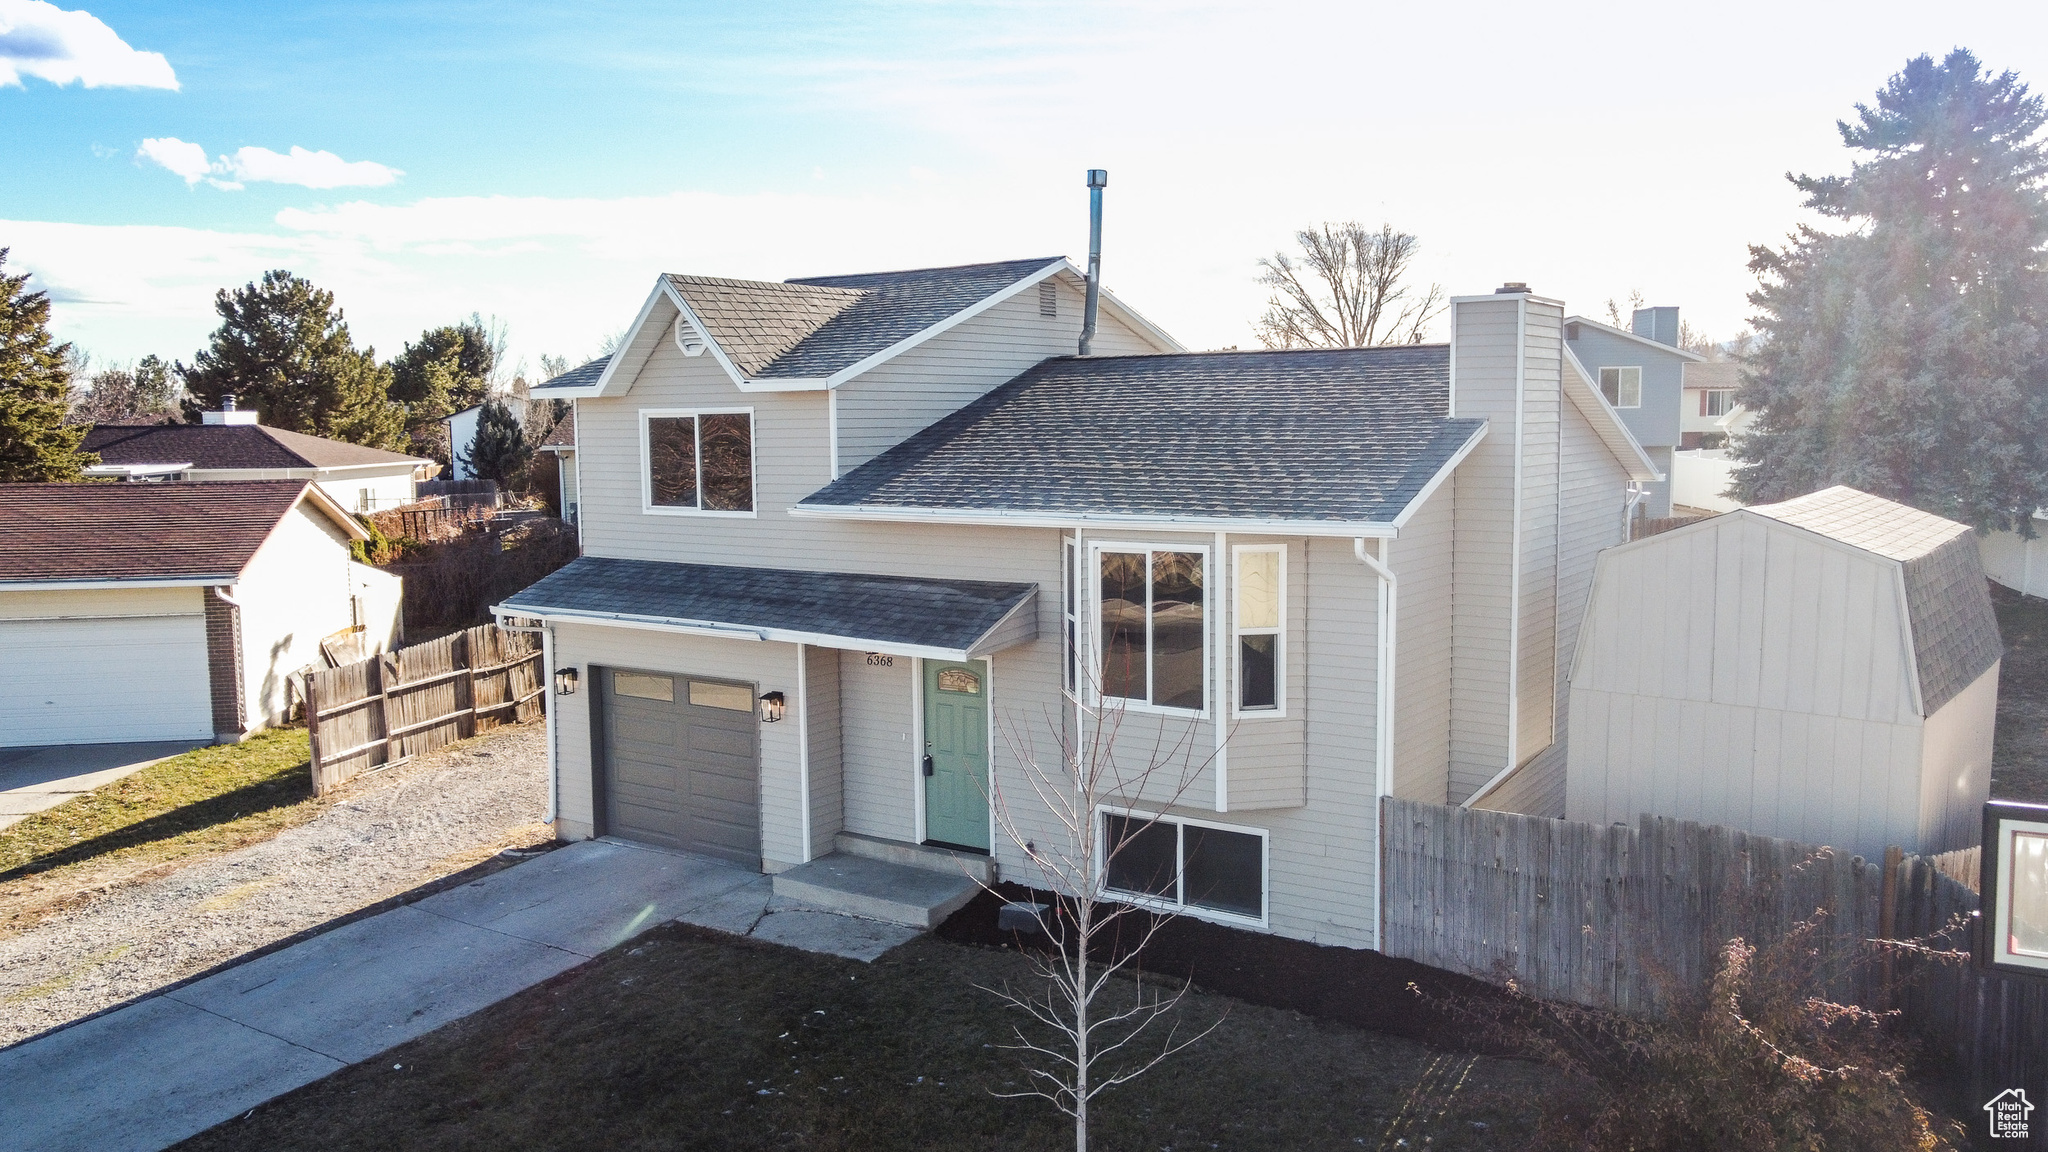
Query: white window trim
(1092, 618)
(647, 504)
(1073, 666)
(1176, 905)
(1728, 396)
(1637, 368)
(1279, 708)
(1998, 918)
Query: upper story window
(1150, 610)
(1717, 401)
(1260, 582)
(1623, 387)
(698, 462)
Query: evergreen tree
(284, 350)
(1905, 355)
(447, 370)
(499, 450)
(36, 446)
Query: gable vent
(689, 341)
(1048, 298)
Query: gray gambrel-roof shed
(1823, 670)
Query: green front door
(956, 754)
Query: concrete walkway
(147, 1075)
(32, 779)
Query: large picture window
(1184, 864)
(1261, 582)
(1150, 627)
(699, 461)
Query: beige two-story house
(857, 548)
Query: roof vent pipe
(1098, 179)
(227, 402)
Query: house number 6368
(881, 660)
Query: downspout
(1098, 179)
(1628, 511)
(1388, 605)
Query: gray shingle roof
(578, 376)
(1344, 435)
(812, 327)
(899, 611)
(1955, 632)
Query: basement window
(1183, 865)
(698, 461)
(1623, 387)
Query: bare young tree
(1345, 290)
(1620, 319)
(1092, 1049)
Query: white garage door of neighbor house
(103, 681)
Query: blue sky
(541, 163)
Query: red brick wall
(224, 665)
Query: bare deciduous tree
(1074, 857)
(1345, 290)
(1620, 319)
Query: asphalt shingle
(1342, 435)
(229, 446)
(138, 531)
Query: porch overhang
(898, 615)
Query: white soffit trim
(1450, 466)
(1625, 334)
(1008, 518)
(1607, 423)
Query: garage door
(681, 769)
(103, 681)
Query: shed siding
(1422, 560)
(1750, 674)
(1956, 766)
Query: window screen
(1623, 387)
(1225, 870)
(1150, 617)
(672, 461)
(1258, 630)
(704, 461)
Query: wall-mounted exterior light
(565, 681)
(2014, 887)
(772, 704)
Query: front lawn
(686, 1038)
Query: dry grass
(202, 803)
(689, 1039)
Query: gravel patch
(389, 832)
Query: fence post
(313, 731)
(387, 671)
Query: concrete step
(951, 861)
(877, 889)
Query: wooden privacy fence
(396, 705)
(1620, 917)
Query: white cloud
(307, 169)
(42, 40)
(180, 157)
(262, 166)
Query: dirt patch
(88, 939)
(686, 1038)
(2019, 761)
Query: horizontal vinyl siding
(1267, 754)
(1422, 719)
(1484, 351)
(879, 738)
(821, 698)
(1536, 665)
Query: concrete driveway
(158, 1070)
(32, 779)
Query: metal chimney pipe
(1098, 179)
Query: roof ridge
(743, 282)
(1243, 352)
(812, 280)
(295, 454)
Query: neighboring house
(1822, 670)
(855, 545)
(1710, 415)
(462, 434)
(1642, 375)
(174, 611)
(231, 445)
(2017, 562)
(561, 441)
